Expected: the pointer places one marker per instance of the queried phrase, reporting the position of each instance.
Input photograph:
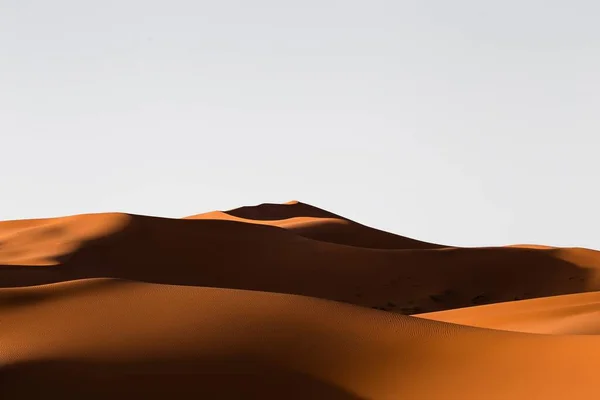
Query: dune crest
(318, 224)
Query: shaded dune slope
(136, 339)
(232, 254)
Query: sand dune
(276, 301)
(237, 255)
(50, 241)
(128, 338)
(567, 314)
(315, 223)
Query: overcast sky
(460, 122)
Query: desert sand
(288, 301)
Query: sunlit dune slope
(116, 339)
(567, 314)
(50, 241)
(231, 254)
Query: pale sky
(458, 122)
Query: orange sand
(277, 301)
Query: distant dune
(288, 301)
(315, 223)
